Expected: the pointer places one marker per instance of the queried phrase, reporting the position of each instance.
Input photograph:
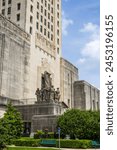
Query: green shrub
(74, 143)
(39, 134)
(51, 135)
(29, 142)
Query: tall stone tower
(42, 20)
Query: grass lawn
(29, 148)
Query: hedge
(74, 144)
(64, 143)
(27, 142)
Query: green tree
(80, 124)
(11, 124)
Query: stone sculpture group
(47, 92)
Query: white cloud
(89, 27)
(66, 22)
(81, 61)
(91, 48)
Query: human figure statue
(38, 94)
(52, 93)
(57, 94)
(46, 85)
(46, 80)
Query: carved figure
(57, 94)
(38, 94)
(52, 93)
(46, 80)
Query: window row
(45, 32)
(42, 18)
(45, 1)
(3, 2)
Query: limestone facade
(42, 21)
(14, 60)
(68, 75)
(86, 96)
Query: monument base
(41, 115)
(42, 122)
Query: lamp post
(59, 131)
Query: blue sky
(80, 37)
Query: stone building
(41, 19)
(69, 74)
(30, 44)
(86, 96)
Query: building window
(9, 10)
(52, 2)
(44, 31)
(31, 8)
(18, 6)
(58, 50)
(48, 15)
(45, 3)
(31, 19)
(41, 29)
(93, 104)
(51, 27)
(48, 25)
(58, 23)
(68, 102)
(45, 12)
(3, 11)
(30, 30)
(18, 17)
(41, 9)
(51, 10)
(51, 37)
(51, 19)
(58, 41)
(3, 3)
(48, 6)
(45, 22)
(58, 6)
(9, 1)
(58, 32)
(37, 5)
(37, 15)
(48, 34)
(37, 25)
(41, 18)
(58, 15)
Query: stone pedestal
(42, 122)
(41, 115)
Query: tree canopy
(80, 124)
(11, 125)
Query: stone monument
(47, 92)
(44, 113)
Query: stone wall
(86, 96)
(14, 60)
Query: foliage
(27, 142)
(74, 143)
(40, 134)
(11, 125)
(28, 148)
(80, 124)
(64, 143)
(2, 135)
